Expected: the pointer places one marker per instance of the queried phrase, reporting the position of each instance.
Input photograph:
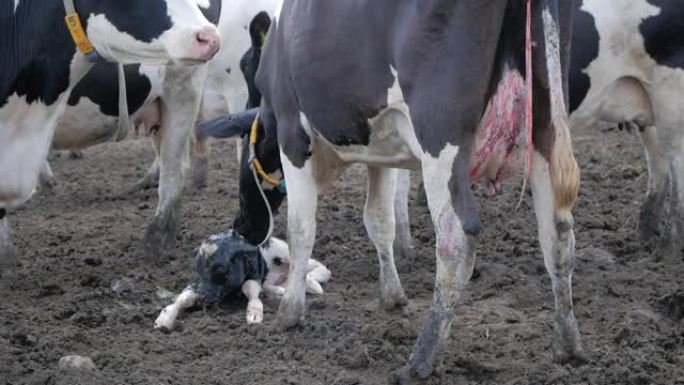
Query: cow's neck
(40, 47)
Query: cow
(92, 112)
(424, 93)
(41, 65)
(626, 70)
(228, 265)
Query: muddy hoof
(290, 314)
(576, 358)
(408, 253)
(673, 305)
(408, 376)
(394, 303)
(9, 262)
(158, 240)
(75, 154)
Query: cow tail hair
(565, 174)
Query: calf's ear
(229, 126)
(258, 28)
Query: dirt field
(78, 239)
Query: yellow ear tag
(73, 22)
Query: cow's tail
(565, 174)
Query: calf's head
(155, 32)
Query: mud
(79, 238)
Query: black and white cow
(440, 88)
(40, 66)
(157, 105)
(626, 69)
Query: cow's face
(155, 32)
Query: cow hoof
(408, 376)
(575, 358)
(649, 224)
(200, 173)
(159, 238)
(290, 314)
(255, 312)
(669, 252)
(392, 299)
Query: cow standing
(626, 69)
(415, 96)
(41, 65)
(92, 113)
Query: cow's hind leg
(557, 241)
(457, 225)
(403, 243)
(151, 178)
(653, 209)
(302, 199)
(378, 217)
(8, 253)
(671, 250)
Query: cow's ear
(258, 28)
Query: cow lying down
(228, 265)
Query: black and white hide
(229, 267)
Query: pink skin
(498, 145)
(208, 42)
(255, 309)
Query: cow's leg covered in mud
(378, 216)
(658, 181)
(671, 251)
(457, 225)
(403, 242)
(180, 106)
(8, 252)
(555, 182)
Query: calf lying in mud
(227, 265)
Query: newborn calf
(228, 265)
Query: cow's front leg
(302, 199)
(653, 209)
(378, 217)
(167, 318)
(557, 241)
(403, 243)
(8, 252)
(255, 309)
(180, 106)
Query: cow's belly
(25, 134)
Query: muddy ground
(77, 239)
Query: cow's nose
(208, 42)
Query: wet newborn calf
(228, 265)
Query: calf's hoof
(255, 312)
